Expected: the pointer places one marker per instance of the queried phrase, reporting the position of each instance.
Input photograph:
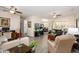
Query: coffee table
(22, 49)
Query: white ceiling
(43, 11)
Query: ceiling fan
(11, 9)
(55, 15)
(14, 10)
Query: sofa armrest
(51, 43)
(51, 46)
(10, 44)
(14, 43)
(25, 40)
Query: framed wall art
(29, 24)
(4, 22)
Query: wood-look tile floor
(42, 46)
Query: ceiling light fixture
(54, 16)
(12, 11)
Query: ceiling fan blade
(15, 10)
(19, 12)
(9, 9)
(58, 15)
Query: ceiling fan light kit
(12, 11)
(54, 14)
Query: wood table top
(22, 49)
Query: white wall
(25, 26)
(14, 20)
(15, 23)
